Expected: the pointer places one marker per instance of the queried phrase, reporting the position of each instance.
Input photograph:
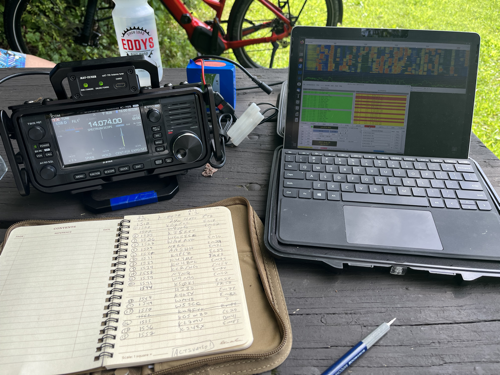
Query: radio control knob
(36, 133)
(187, 148)
(154, 115)
(48, 172)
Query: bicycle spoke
(275, 48)
(301, 9)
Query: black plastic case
(398, 263)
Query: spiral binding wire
(114, 299)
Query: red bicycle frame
(189, 23)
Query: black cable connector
(223, 106)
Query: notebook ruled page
(53, 284)
(183, 293)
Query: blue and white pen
(353, 354)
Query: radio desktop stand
(109, 131)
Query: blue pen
(353, 354)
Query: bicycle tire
(319, 12)
(47, 29)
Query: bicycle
(257, 31)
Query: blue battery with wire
(221, 75)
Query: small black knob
(154, 115)
(48, 172)
(36, 133)
(187, 148)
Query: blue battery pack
(220, 74)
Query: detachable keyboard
(382, 179)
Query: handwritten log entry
(183, 294)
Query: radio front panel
(83, 145)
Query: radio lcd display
(99, 135)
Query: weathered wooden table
(443, 326)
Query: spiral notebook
(115, 293)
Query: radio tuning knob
(36, 133)
(154, 115)
(48, 172)
(187, 148)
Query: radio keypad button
(158, 141)
(94, 174)
(160, 149)
(155, 128)
(49, 154)
(138, 166)
(169, 160)
(125, 168)
(79, 176)
(158, 161)
(110, 171)
(39, 155)
(44, 145)
(157, 135)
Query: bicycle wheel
(250, 19)
(48, 29)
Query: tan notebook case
(266, 305)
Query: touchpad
(391, 227)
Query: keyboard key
(396, 158)
(390, 190)
(465, 185)
(367, 180)
(372, 171)
(356, 156)
(376, 189)
(433, 193)
(294, 175)
(325, 177)
(301, 159)
(404, 191)
(329, 154)
(448, 167)
(380, 163)
(339, 177)
(358, 170)
(333, 196)
(386, 172)
(290, 152)
(319, 185)
(409, 182)
(381, 180)
(393, 164)
(433, 167)
(321, 195)
(343, 155)
(448, 193)
(345, 170)
(318, 168)
(361, 188)
(413, 174)
(455, 176)
(305, 194)
(366, 163)
(420, 166)
(305, 167)
(418, 192)
(297, 184)
(476, 195)
(291, 167)
(484, 206)
(312, 176)
(304, 153)
(289, 158)
(317, 153)
(441, 175)
(292, 193)
(463, 162)
(353, 179)
(410, 159)
(469, 206)
(347, 187)
(467, 202)
(353, 162)
(423, 183)
(332, 169)
(437, 184)
(451, 185)
(406, 165)
(438, 203)
(369, 157)
(314, 160)
(385, 199)
(326, 160)
(333, 186)
(470, 177)
(340, 161)
(395, 181)
(464, 168)
(451, 203)
(427, 174)
(382, 157)
(436, 160)
(425, 160)
(399, 173)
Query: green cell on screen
(314, 115)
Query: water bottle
(136, 33)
